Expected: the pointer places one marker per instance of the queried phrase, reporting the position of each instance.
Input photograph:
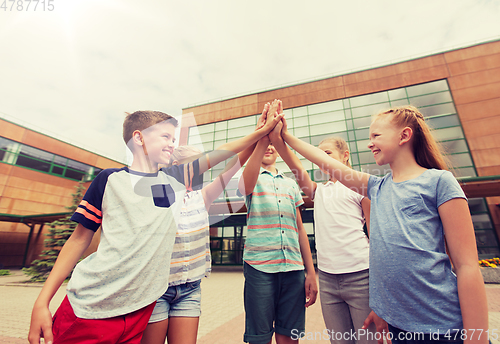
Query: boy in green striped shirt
(276, 250)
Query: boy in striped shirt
(276, 251)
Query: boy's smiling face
(159, 142)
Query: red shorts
(128, 328)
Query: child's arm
(459, 233)
(250, 174)
(228, 149)
(214, 189)
(72, 251)
(366, 206)
(301, 175)
(357, 181)
(305, 250)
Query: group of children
(417, 272)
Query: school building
(38, 174)
(458, 92)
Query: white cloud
(76, 70)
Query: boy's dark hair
(140, 120)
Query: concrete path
(221, 322)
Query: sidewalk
(221, 322)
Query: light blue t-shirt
(412, 285)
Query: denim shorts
(178, 301)
(274, 302)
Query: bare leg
(155, 333)
(183, 330)
(281, 339)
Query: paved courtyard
(221, 322)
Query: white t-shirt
(341, 244)
(138, 214)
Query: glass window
(481, 221)
(369, 99)
(301, 132)
(326, 117)
(464, 172)
(354, 159)
(194, 140)
(300, 122)
(459, 160)
(485, 237)
(300, 111)
(73, 174)
(443, 121)
(362, 122)
(325, 107)
(221, 126)
(207, 137)
(238, 132)
(334, 127)
(448, 133)
(241, 122)
(369, 110)
(362, 145)
(220, 135)
(362, 134)
(477, 205)
(426, 88)
(57, 170)
(431, 99)
(202, 129)
(440, 109)
(455, 146)
(400, 93)
(60, 160)
(401, 102)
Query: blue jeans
(178, 301)
(274, 302)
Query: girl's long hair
(340, 144)
(426, 150)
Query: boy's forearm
(214, 189)
(250, 174)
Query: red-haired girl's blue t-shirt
(138, 214)
(412, 285)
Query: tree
(59, 232)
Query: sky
(74, 71)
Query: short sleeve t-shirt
(137, 215)
(272, 242)
(341, 243)
(412, 285)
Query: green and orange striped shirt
(272, 241)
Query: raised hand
(262, 118)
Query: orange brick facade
(28, 192)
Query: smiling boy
(112, 292)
